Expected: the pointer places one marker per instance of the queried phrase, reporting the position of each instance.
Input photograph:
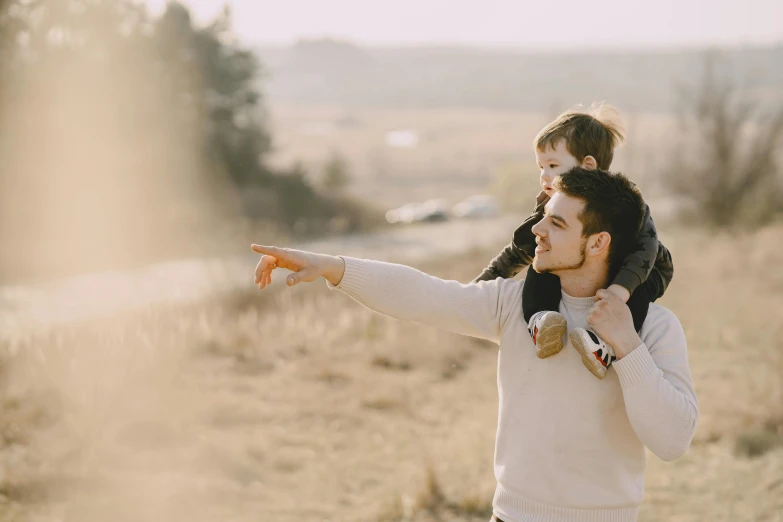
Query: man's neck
(584, 282)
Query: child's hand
(620, 291)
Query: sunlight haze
(507, 23)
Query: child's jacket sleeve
(650, 259)
(520, 252)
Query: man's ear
(598, 244)
(589, 163)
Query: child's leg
(640, 299)
(540, 293)
(540, 302)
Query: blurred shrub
(336, 175)
(726, 159)
(760, 440)
(290, 200)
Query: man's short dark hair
(613, 204)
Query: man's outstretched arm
(402, 292)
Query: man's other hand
(307, 266)
(611, 319)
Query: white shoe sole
(549, 339)
(588, 359)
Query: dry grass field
(299, 404)
(460, 151)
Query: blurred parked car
(404, 214)
(430, 211)
(478, 206)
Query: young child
(585, 139)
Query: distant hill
(338, 73)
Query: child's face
(552, 162)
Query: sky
(537, 24)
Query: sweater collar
(578, 305)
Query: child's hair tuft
(595, 132)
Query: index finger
(602, 294)
(270, 250)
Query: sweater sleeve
(477, 310)
(658, 388)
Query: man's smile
(540, 247)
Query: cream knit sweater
(569, 447)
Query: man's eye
(552, 166)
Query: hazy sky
(519, 23)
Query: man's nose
(538, 229)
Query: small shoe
(547, 330)
(597, 356)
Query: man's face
(560, 245)
(552, 162)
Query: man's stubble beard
(562, 268)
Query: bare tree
(726, 160)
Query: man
(569, 447)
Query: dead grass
(431, 504)
(298, 404)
